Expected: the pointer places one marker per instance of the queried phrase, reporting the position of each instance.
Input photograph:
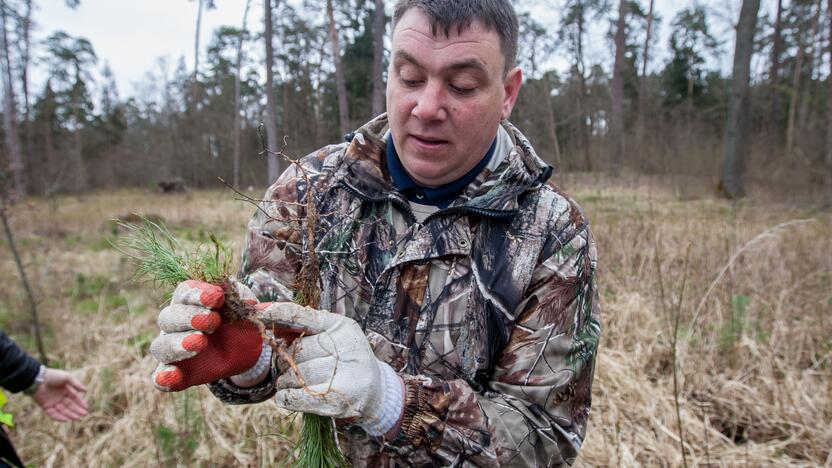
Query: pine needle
(317, 446)
(158, 256)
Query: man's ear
(512, 84)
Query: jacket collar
(364, 168)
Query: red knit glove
(196, 345)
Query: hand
(59, 396)
(339, 374)
(196, 345)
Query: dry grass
(754, 366)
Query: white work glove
(341, 376)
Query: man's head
(495, 15)
(451, 81)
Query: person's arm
(535, 411)
(18, 370)
(57, 392)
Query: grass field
(754, 331)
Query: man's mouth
(428, 142)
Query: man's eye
(462, 90)
(410, 83)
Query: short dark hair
(496, 15)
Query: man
(457, 320)
(57, 392)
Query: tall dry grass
(755, 336)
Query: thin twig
(30, 297)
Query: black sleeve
(17, 369)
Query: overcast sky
(131, 35)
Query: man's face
(446, 97)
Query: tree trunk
(10, 114)
(774, 70)
(318, 97)
(80, 181)
(642, 82)
(340, 81)
(29, 142)
(582, 113)
(796, 83)
(736, 130)
(273, 162)
(828, 171)
(53, 182)
(379, 26)
(192, 108)
(617, 109)
(237, 78)
(815, 57)
(551, 124)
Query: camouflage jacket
(487, 309)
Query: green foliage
(732, 330)
(6, 316)
(161, 257)
(5, 418)
(142, 341)
(317, 447)
(180, 443)
(70, 60)
(107, 379)
(87, 286)
(358, 66)
(684, 76)
(89, 293)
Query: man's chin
(435, 177)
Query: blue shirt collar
(440, 197)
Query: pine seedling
(160, 257)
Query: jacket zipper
(401, 204)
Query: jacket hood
(364, 168)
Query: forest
(699, 143)
(316, 70)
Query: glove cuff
(258, 371)
(389, 410)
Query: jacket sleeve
(18, 370)
(535, 409)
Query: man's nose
(430, 105)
